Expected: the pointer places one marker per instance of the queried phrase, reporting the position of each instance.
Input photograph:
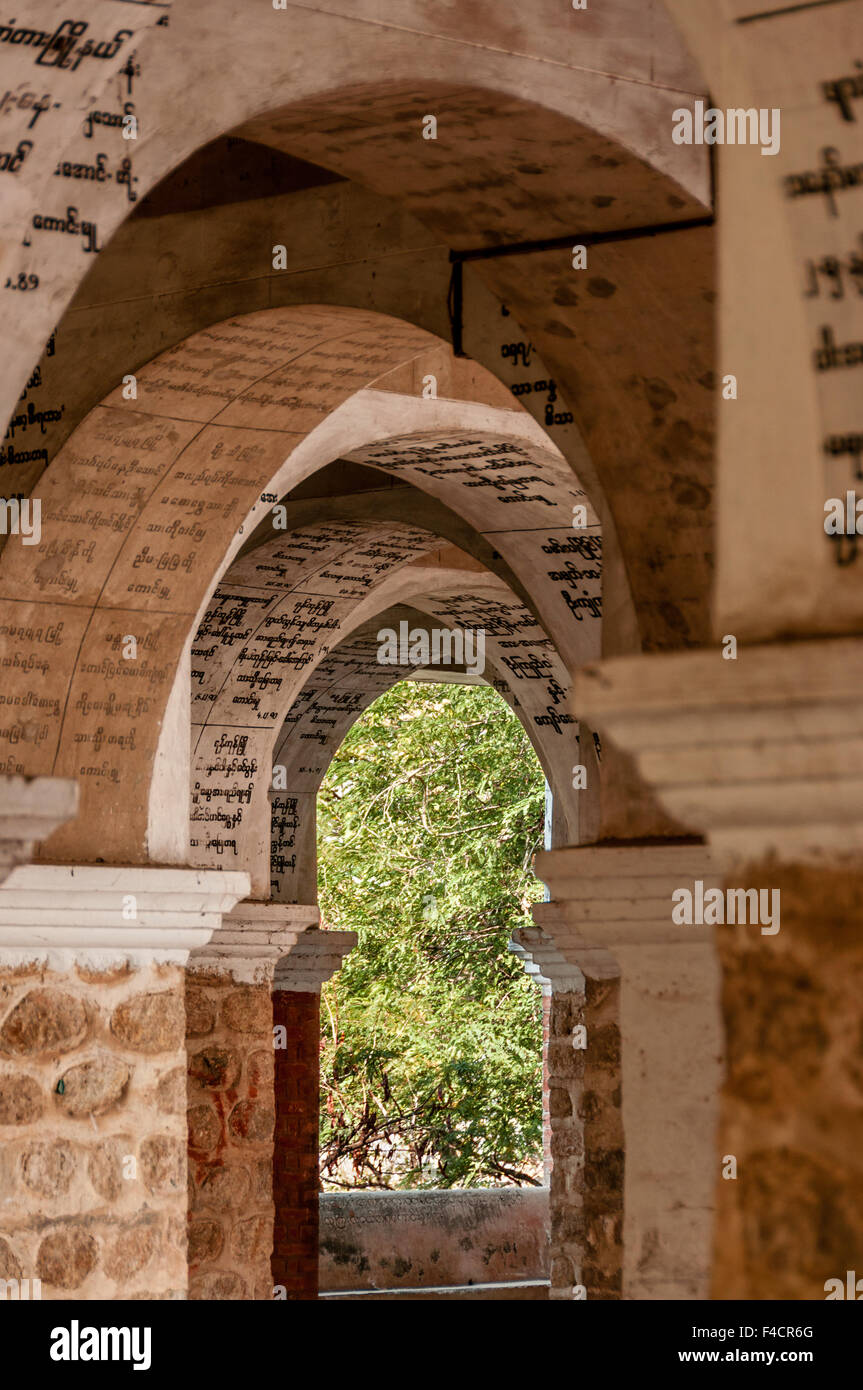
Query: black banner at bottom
(66, 1339)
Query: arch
(149, 501)
(585, 159)
(327, 59)
(278, 614)
(343, 685)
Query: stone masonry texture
(92, 1131)
(230, 1122)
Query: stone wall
(93, 1131)
(230, 1099)
(398, 1240)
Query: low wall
(433, 1239)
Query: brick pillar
(295, 1165)
(92, 1072)
(586, 1138)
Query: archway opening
(432, 1125)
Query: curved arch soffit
(149, 501)
(279, 613)
(342, 687)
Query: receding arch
(222, 425)
(343, 685)
(280, 611)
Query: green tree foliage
(431, 1032)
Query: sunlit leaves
(428, 819)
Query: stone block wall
(93, 1131)
(433, 1239)
(229, 1041)
(296, 1163)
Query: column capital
(96, 914)
(604, 897)
(275, 943)
(313, 959)
(762, 754)
(252, 938)
(542, 960)
(31, 809)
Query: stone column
(296, 1007)
(765, 756)
(92, 1074)
(584, 1113)
(256, 977)
(652, 1064)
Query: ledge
(251, 939)
(54, 912)
(616, 896)
(763, 755)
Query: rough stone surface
(66, 1257)
(171, 1092)
(45, 1020)
(163, 1164)
(205, 1128)
(251, 1120)
(105, 1167)
(215, 1067)
(230, 1122)
(10, 1265)
(20, 1099)
(200, 1014)
(48, 1168)
(94, 1086)
(105, 1158)
(131, 1251)
(247, 1011)
(205, 1241)
(791, 1105)
(150, 1022)
(218, 1286)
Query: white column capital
(544, 962)
(762, 754)
(313, 959)
(608, 896)
(98, 914)
(253, 937)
